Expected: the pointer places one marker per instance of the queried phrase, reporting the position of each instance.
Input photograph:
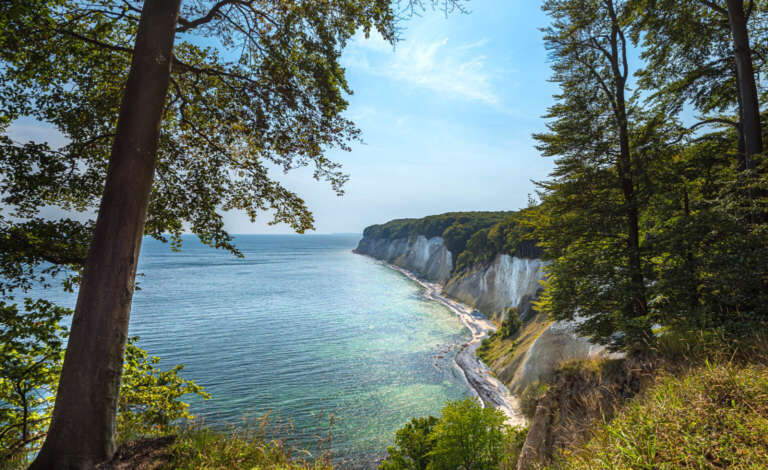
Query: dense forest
(472, 237)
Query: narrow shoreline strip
(478, 375)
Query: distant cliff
(493, 277)
(429, 259)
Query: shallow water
(301, 328)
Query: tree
(413, 445)
(590, 218)
(714, 62)
(31, 346)
(468, 436)
(31, 353)
(218, 93)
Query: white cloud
(433, 64)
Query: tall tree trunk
(740, 130)
(618, 58)
(750, 108)
(82, 431)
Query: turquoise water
(300, 328)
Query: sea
(300, 331)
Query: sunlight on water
(301, 328)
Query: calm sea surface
(300, 328)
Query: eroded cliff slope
(506, 281)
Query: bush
(413, 446)
(31, 353)
(511, 324)
(467, 435)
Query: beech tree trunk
(82, 431)
(750, 107)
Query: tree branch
(714, 6)
(186, 25)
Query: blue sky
(446, 118)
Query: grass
(714, 416)
(195, 446)
(200, 448)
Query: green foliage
(592, 204)
(31, 353)
(511, 324)
(31, 348)
(713, 417)
(467, 435)
(150, 397)
(701, 247)
(268, 94)
(698, 36)
(505, 237)
(413, 446)
(472, 237)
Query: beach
(488, 388)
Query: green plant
(468, 435)
(31, 353)
(511, 324)
(714, 416)
(150, 397)
(413, 446)
(31, 346)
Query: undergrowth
(715, 416)
(706, 407)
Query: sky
(446, 117)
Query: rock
(428, 258)
(507, 282)
(558, 343)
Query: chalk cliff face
(558, 343)
(507, 282)
(429, 259)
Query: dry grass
(200, 448)
(705, 407)
(715, 416)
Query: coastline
(478, 375)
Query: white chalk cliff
(507, 281)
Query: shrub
(413, 445)
(511, 324)
(468, 435)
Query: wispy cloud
(455, 70)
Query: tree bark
(750, 107)
(620, 72)
(82, 431)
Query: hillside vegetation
(472, 237)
